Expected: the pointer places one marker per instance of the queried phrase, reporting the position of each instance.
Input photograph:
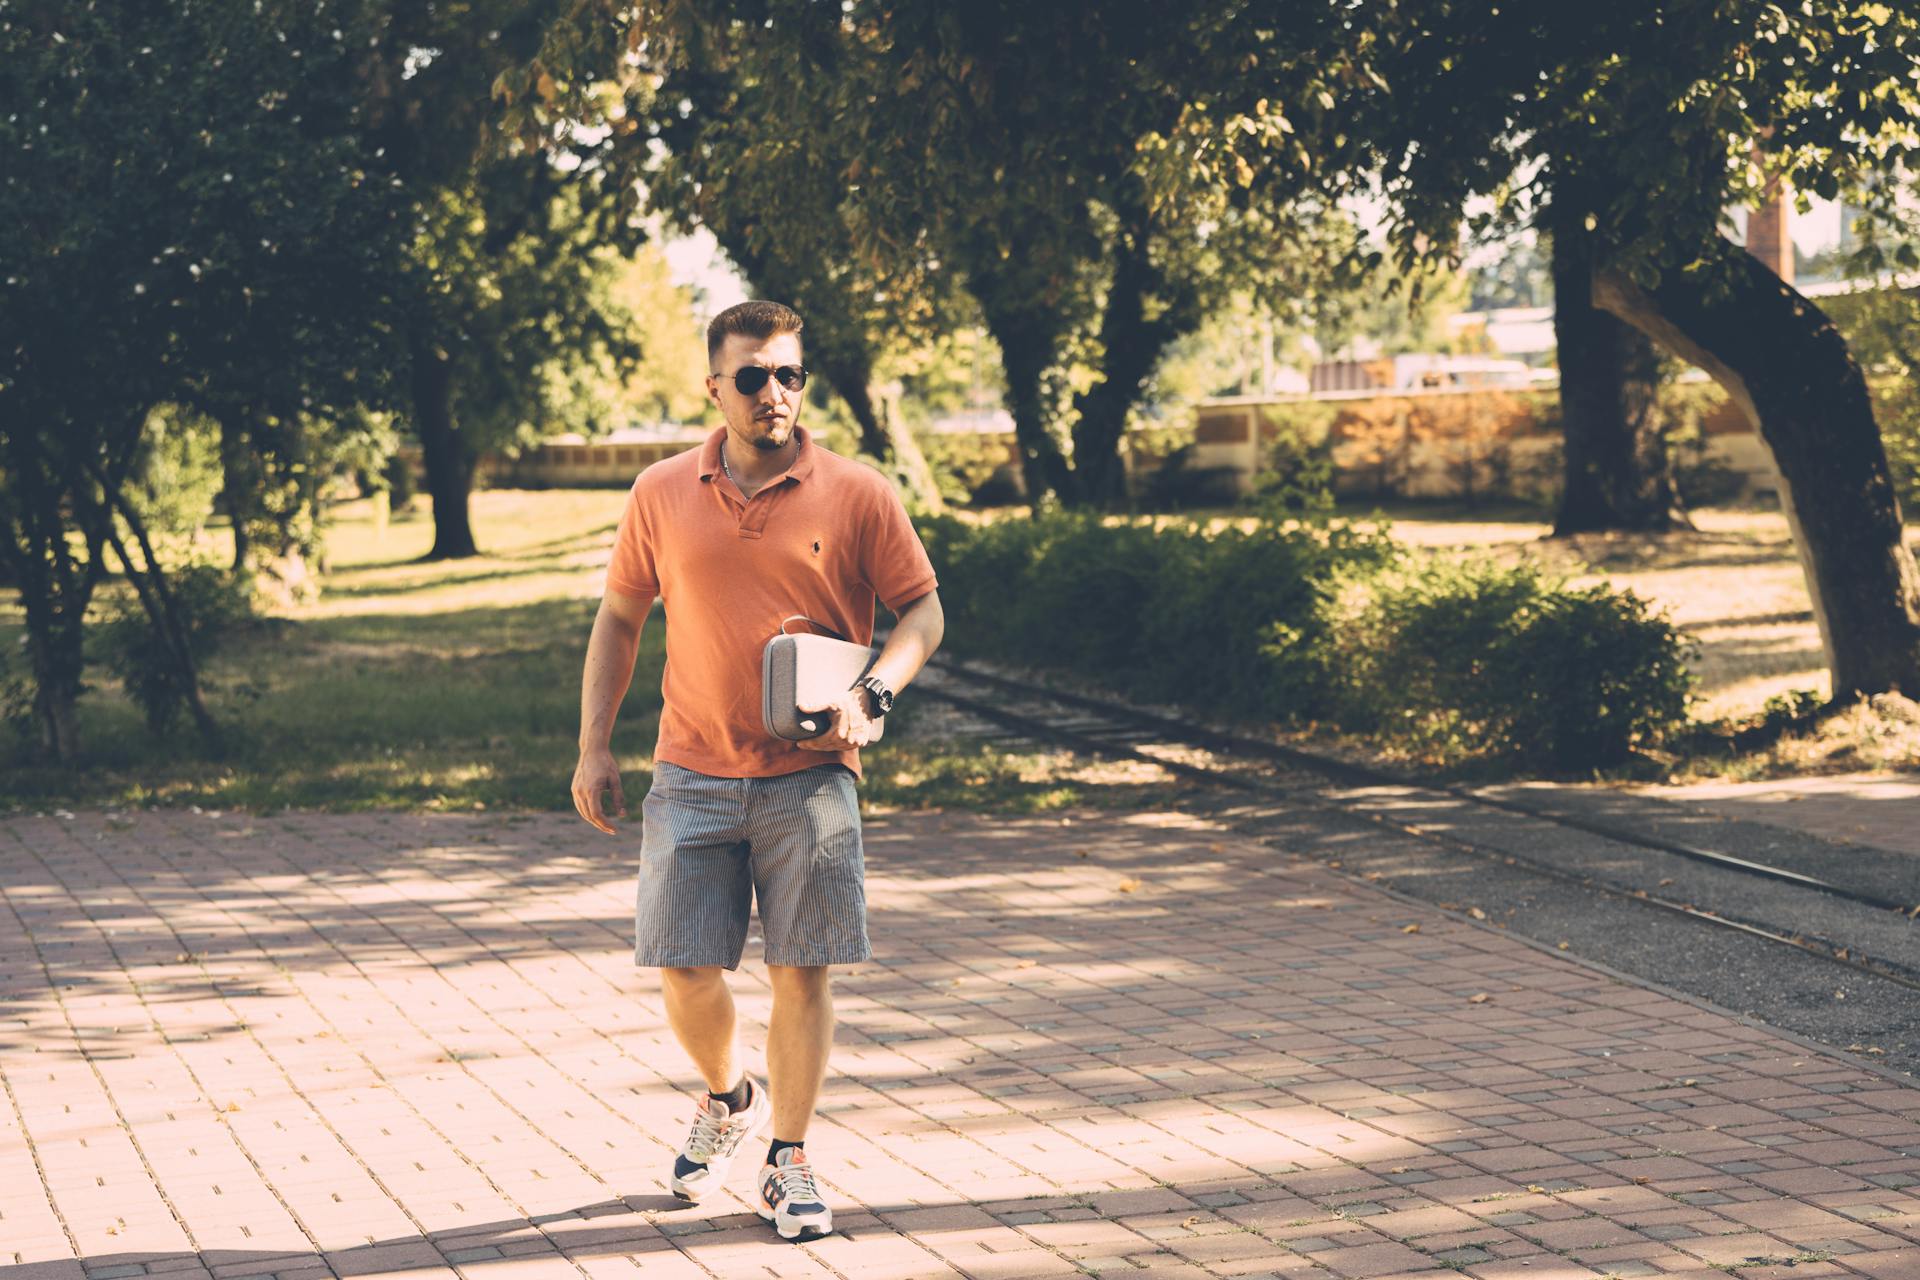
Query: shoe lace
(796, 1182)
(712, 1135)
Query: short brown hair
(751, 320)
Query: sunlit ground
(326, 1044)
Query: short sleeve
(893, 559)
(632, 571)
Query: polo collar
(801, 468)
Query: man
(758, 524)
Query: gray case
(803, 668)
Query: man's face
(765, 419)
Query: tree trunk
(909, 460)
(1618, 475)
(54, 592)
(240, 478)
(880, 435)
(1026, 350)
(1786, 365)
(150, 584)
(449, 461)
(1132, 346)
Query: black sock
(736, 1099)
(779, 1145)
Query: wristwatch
(879, 697)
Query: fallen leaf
(1476, 913)
(1565, 945)
(1026, 964)
(1412, 928)
(1665, 883)
(1129, 884)
(1536, 1188)
(1480, 998)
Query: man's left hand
(851, 727)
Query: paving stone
(431, 1023)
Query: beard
(767, 444)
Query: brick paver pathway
(311, 1045)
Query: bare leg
(700, 1011)
(799, 1038)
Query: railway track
(1867, 927)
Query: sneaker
(716, 1139)
(790, 1198)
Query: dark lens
(749, 381)
(791, 376)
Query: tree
(723, 155)
(1098, 186)
(1103, 187)
(189, 201)
(1881, 321)
(1400, 312)
(665, 384)
(503, 293)
(1616, 472)
(1671, 113)
(511, 316)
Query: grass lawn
(456, 685)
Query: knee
(804, 983)
(692, 980)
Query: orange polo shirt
(825, 540)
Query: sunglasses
(750, 379)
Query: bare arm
(611, 651)
(916, 634)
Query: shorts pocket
(830, 926)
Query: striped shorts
(710, 846)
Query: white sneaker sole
(797, 1231)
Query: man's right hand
(596, 773)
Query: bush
(1472, 657)
(1176, 484)
(962, 462)
(1298, 622)
(1296, 466)
(178, 472)
(17, 690)
(211, 603)
(400, 482)
(1129, 606)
